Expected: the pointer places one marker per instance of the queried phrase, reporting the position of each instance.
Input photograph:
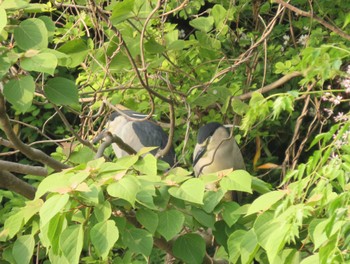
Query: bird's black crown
(207, 131)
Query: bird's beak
(199, 154)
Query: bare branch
(269, 87)
(23, 169)
(12, 183)
(315, 17)
(109, 139)
(31, 153)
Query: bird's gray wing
(152, 135)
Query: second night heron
(216, 151)
(138, 134)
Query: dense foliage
(277, 72)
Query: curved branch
(23, 169)
(318, 19)
(109, 139)
(270, 86)
(12, 183)
(31, 153)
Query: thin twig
(315, 17)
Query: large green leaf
(77, 51)
(125, 188)
(265, 201)
(61, 182)
(31, 34)
(203, 23)
(23, 248)
(191, 190)
(190, 248)
(43, 62)
(148, 219)
(203, 218)
(212, 199)
(20, 92)
(61, 91)
(51, 207)
(71, 243)
(122, 11)
(50, 233)
(3, 18)
(138, 240)
(170, 223)
(103, 211)
(230, 214)
(147, 165)
(14, 4)
(234, 245)
(238, 180)
(248, 247)
(103, 236)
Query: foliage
(283, 72)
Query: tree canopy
(276, 72)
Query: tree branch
(270, 86)
(315, 17)
(31, 153)
(12, 183)
(109, 139)
(23, 169)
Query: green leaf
(219, 14)
(20, 92)
(14, 223)
(153, 47)
(31, 34)
(230, 214)
(207, 220)
(212, 199)
(50, 233)
(147, 165)
(3, 18)
(4, 65)
(23, 248)
(191, 190)
(170, 223)
(248, 247)
(126, 188)
(282, 103)
(148, 219)
(265, 201)
(311, 259)
(234, 245)
(203, 23)
(77, 51)
(138, 241)
(61, 91)
(239, 107)
(238, 180)
(14, 4)
(103, 236)
(51, 207)
(318, 232)
(122, 11)
(43, 62)
(260, 186)
(190, 248)
(61, 182)
(71, 243)
(103, 211)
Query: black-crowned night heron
(216, 151)
(138, 134)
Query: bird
(138, 134)
(215, 150)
